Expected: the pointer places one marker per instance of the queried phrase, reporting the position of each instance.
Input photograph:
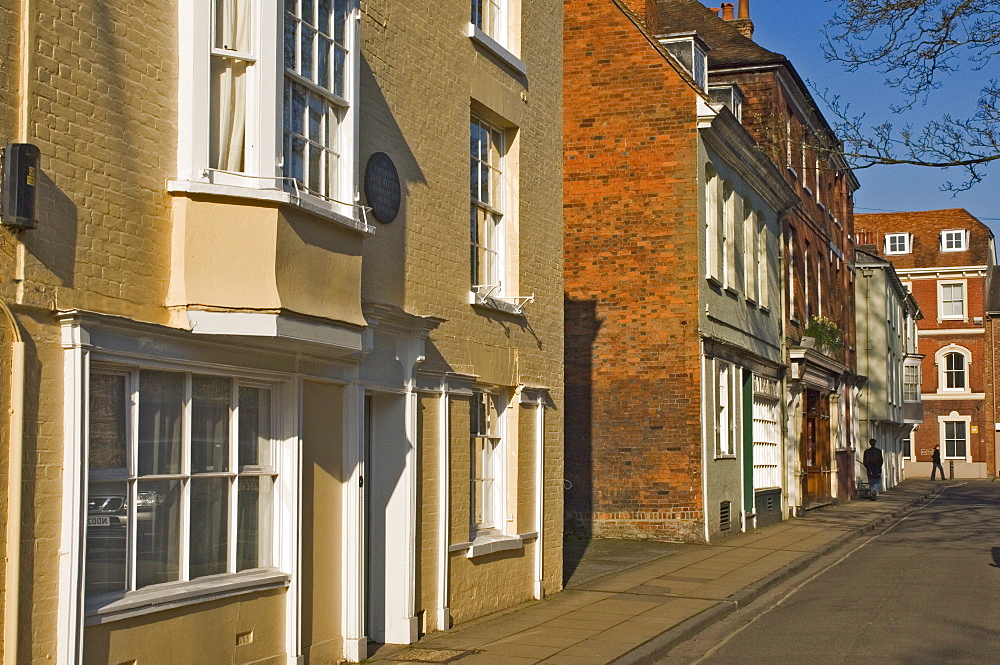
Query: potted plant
(825, 332)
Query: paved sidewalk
(629, 603)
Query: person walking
(873, 461)
(936, 461)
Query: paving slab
(630, 602)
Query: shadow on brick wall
(582, 326)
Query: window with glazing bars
(486, 210)
(315, 55)
(180, 478)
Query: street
(922, 590)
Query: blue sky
(793, 29)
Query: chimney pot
(727, 11)
(744, 9)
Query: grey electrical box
(19, 185)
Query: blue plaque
(382, 187)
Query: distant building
(889, 405)
(673, 289)
(945, 258)
(817, 246)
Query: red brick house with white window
(945, 257)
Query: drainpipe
(15, 455)
(12, 542)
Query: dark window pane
(209, 526)
(306, 37)
(157, 532)
(255, 427)
(291, 31)
(339, 71)
(210, 399)
(108, 409)
(107, 538)
(341, 8)
(253, 523)
(161, 405)
(323, 20)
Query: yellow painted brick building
(269, 397)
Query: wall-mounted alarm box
(19, 185)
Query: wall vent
(725, 515)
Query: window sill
(505, 57)
(114, 607)
(489, 541)
(720, 456)
(714, 281)
(496, 304)
(306, 202)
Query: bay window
(180, 479)
(266, 104)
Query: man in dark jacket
(936, 461)
(873, 465)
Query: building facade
(944, 257)
(269, 400)
(817, 246)
(673, 287)
(889, 405)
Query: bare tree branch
(916, 43)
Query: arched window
(953, 363)
(954, 371)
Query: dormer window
(954, 240)
(691, 52)
(897, 243)
(730, 95)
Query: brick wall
(631, 217)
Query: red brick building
(818, 251)
(673, 287)
(946, 258)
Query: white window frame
(941, 360)
(262, 176)
(727, 408)
(727, 243)
(911, 381)
(963, 285)
(763, 265)
(712, 217)
(898, 243)
(954, 240)
(791, 275)
(955, 417)
(907, 441)
(491, 17)
(491, 240)
(490, 439)
(750, 254)
(766, 434)
(184, 477)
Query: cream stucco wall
(241, 631)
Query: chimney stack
(743, 22)
(727, 11)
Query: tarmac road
(926, 589)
